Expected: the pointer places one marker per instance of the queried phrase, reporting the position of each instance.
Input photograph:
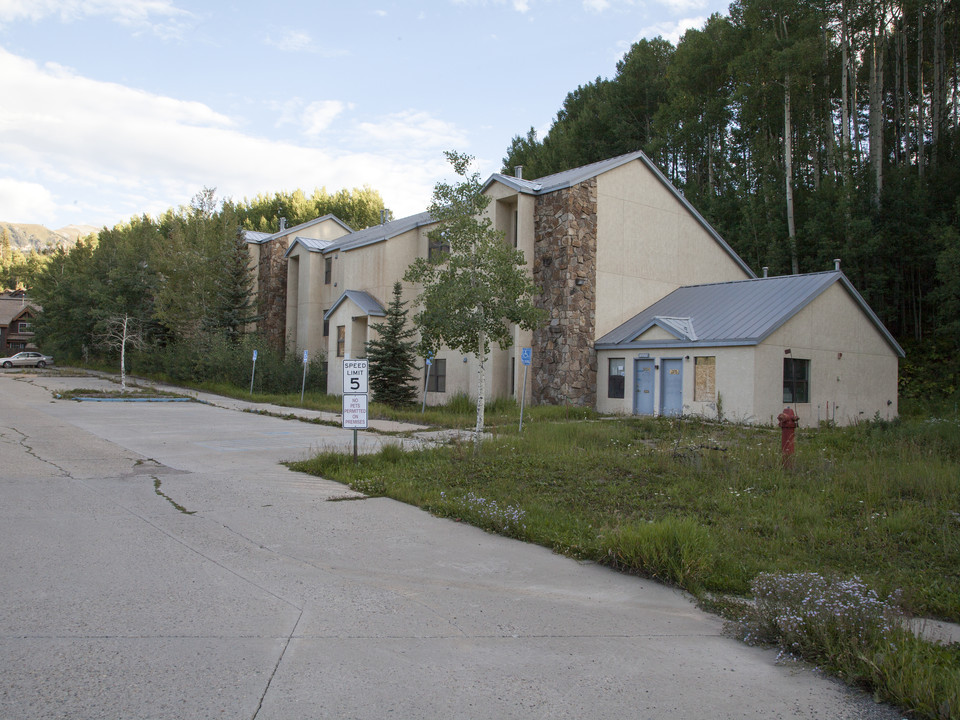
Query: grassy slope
(881, 500)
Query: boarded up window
(705, 379)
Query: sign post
(526, 355)
(426, 383)
(253, 373)
(355, 374)
(303, 383)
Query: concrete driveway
(157, 562)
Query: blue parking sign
(526, 355)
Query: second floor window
(341, 339)
(327, 271)
(438, 246)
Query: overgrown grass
(709, 508)
(847, 628)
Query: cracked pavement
(158, 562)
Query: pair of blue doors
(671, 386)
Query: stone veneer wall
(565, 253)
(272, 293)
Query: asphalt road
(157, 562)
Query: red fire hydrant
(788, 426)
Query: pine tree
(392, 356)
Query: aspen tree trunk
(481, 390)
(845, 99)
(788, 175)
(123, 354)
(937, 101)
(921, 155)
(876, 108)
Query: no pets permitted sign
(355, 394)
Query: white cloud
(298, 41)
(596, 5)
(672, 30)
(76, 150)
(161, 16)
(684, 5)
(23, 201)
(318, 115)
(413, 127)
(520, 6)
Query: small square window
(616, 378)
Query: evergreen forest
(803, 132)
(179, 284)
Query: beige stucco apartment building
(603, 242)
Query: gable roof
(258, 238)
(363, 300)
(745, 312)
(12, 308)
(310, 244)
(569, 178)
(379, 233)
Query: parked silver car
(27, 359)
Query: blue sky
(113, 108)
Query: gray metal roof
(732, 313)
(259, 238)
(256, 238)
(379, 233)
(311, 244)
(569, 178)
(565, 179)
(363, 300)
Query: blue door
(643, 387)
(671, 387)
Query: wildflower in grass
(811, 615)
(507, 519)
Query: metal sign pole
(355, 460)
(426, 383)
(254, 371)
(303, 383)
(526, 357)
(523, 396)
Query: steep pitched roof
(733, 313)
(12, 307)
(363, 300)
(569, 178)
(258, 238)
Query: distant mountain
(28, 236)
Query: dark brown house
(17, 313)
